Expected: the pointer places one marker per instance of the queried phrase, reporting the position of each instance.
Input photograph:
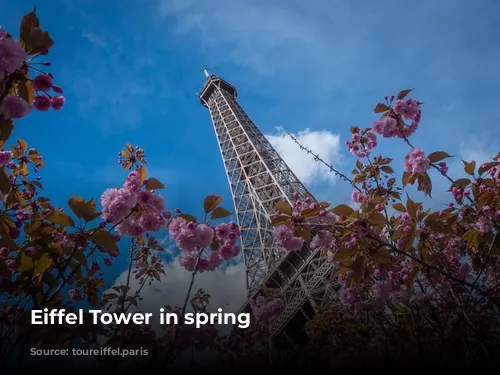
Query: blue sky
(131, 71)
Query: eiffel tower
(259, 178)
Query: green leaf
(58, 217)
(153, 184)
(105, 240)
(220, 213)
(211, 202)
(437, 156)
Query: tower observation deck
(259, 178)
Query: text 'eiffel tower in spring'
(259, 178)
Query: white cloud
(95, 39)
(226, 286)
(323, 143)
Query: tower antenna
(205, 71)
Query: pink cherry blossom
(149, 222)
(5, 158)
(116, 204)
(42, 103)
(416, 161)
(42, 82)
(58, 102)
(12, 55)
(286, 239)
(14, 107)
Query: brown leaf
(38, 41)
(105, 240)
(387, 169)
(402, 94)
(211, 202)
(342, 210)
(469, 167)
(462, 183)
(277, 220)
(381, 107)
(412, 207)
(495, 247)
(487, 166)
(35, 158)
(343, 253)
(399, 207)
(437, 156)
(472, 237)
(153, 184)
(407, 177)
(25, 91)
(5, 185)
(42, 264)
(304, 233)
(284, 208)
(358, 268)
(143, 173)
(82, 209)
(188, 217)
(29, 21)
(58, 217)
(382, 256)
(23, 144)
(6, 127)
(377, 218)
(220, 213)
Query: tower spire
(259, 179)
(205, 71)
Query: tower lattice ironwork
(259, 178)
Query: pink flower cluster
(194, 239)
(392, 125)
(14, 107)
(285, 238)
(264, 310)
(416, 161)
(12, 55)
(12, 59)
(117, 205)
(5, 158)
(43, 101)
(361, 143)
